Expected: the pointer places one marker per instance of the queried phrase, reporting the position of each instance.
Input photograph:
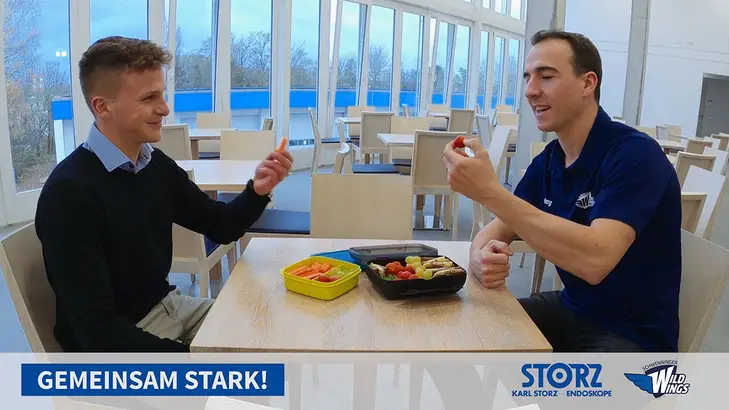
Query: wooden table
(350, 120)
(255, 312)
(669, 146)
(221, 175)
(397, 140)
(204, 134)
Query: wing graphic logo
(660, 378)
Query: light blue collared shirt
(112, 157)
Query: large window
(497, 83)
(112, 18)
(411, 64)
(194, 60)
(379, 71)
(460, 67)
(516, 9)
(351, 51)
(38, 85)
(513, 75)
(483, 70)
(250, 63)
(500, 6)
(440, 77)
(304, 69)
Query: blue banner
(152, 379)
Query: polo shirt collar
(592, 152)
(112, 157)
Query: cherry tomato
(459, 142)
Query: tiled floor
(294, 194)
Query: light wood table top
(675, 145)
(199, 134)
(350, 120)
(399, 140)
(221, 175)
(255, 312)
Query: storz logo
(561, 380)
(661, 377)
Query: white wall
(687, 39)
(607, 24)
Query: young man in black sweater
(105, 215)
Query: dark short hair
(585, 56)
(114, 55)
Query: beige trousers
(177, 317)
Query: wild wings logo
(660, 378)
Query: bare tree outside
(380, 68)
(32, 86)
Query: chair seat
(209, 155)
(402, 162)
(374, 169)
(278, 221)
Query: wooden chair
(674, 130)
(507, 119)
(685, 160)
(403, 156)
(406, 111)
(461, 121)
(692, 204)
(211, 149)
(376, 206)
(696, 146)
(650, 131)
(194, 254)
(246, 145)
(343, 160)
(483, 125)
(711, 184)
(661, 133)
(21, 260)
(721, 162)
(438, 124)
(504, 108)
(374, 123)
(267, 124)
(175, 142)
(430, 176)
(536, 148)
(704, 273)
(354, 130)
(497, 156)
(322, 143)
(723, 140)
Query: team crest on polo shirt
(585, 200)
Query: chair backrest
(685, 160)
(343, 156)
(704, 273)
(723, 142)
(712, 184)
(692, 204)
(696, 146)
(674, 130)
(461, 121)
(267, 124)
(246, 145)
(374, 123)
(483, 125)
(650, 131)
(661, 132)
(315, 127)
(504, 108)
(213, 120)
(537, 147)
(21, 260)
(406, 111)
(187, 246)
(356, 111)
(377, 206)
(175, 142)
(428, 170)
(439, 108)
(505, 118)
(720, 165)
(408, 125)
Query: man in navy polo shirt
(602, 203)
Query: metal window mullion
(474, 59)
(281, 65)
(156, 21)
(490, 72)
(451, 55)
(172, 47)
(334, 69)
(505, 68)
(80, 23)
(364, 30)
(396, 62)
(323, 69)
(424, 71)
(433, 60)
(221, 50)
